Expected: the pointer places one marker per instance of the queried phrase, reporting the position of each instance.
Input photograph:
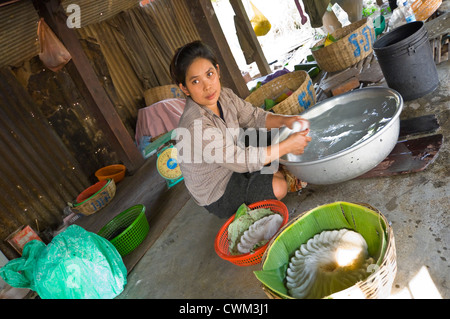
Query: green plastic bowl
(127, 230)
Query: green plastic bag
(76, 264)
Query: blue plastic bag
(76, 264)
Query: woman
(220, 173)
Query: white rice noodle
(261, 230)
(329, 262)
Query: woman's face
(202, 82)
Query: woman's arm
(279, 120)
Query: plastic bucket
(406, 60)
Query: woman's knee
(279, 185)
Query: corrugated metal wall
(38, 175)
(18, 21)
(49, 143)
(92, 12)
(138, 45)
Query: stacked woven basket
(354, 43)
(424, 9)
(164, 92)
(299, 83)
(95, 198)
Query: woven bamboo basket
(424, 9)
(303, 94)
(97, 201)
(354, 43)
(377, 285)
(164, 92)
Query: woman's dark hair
(185, 55)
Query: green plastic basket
(127, 230)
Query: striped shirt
(208, 147)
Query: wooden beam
(258, 54)
(208, 27)
(90, 87)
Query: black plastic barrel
(406, 60)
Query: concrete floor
(182, 263)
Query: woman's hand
(289, 122)
(296, 142)
(278, 120)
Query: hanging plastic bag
(76, 264)
(53, 53)
(260, 23)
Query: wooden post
(208, 27)
(90, 87)
(258, 54)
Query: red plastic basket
(221, 243)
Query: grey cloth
(315, 10)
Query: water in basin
(344, 126)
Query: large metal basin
(351, 134)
